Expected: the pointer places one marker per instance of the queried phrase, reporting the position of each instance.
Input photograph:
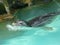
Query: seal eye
(22, 23)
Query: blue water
(45, 35)
(41, 36)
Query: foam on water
(38, 31)
(11, 28)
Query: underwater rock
(17, 4)
(2, 9)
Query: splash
(18, 28)
(10, 27)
